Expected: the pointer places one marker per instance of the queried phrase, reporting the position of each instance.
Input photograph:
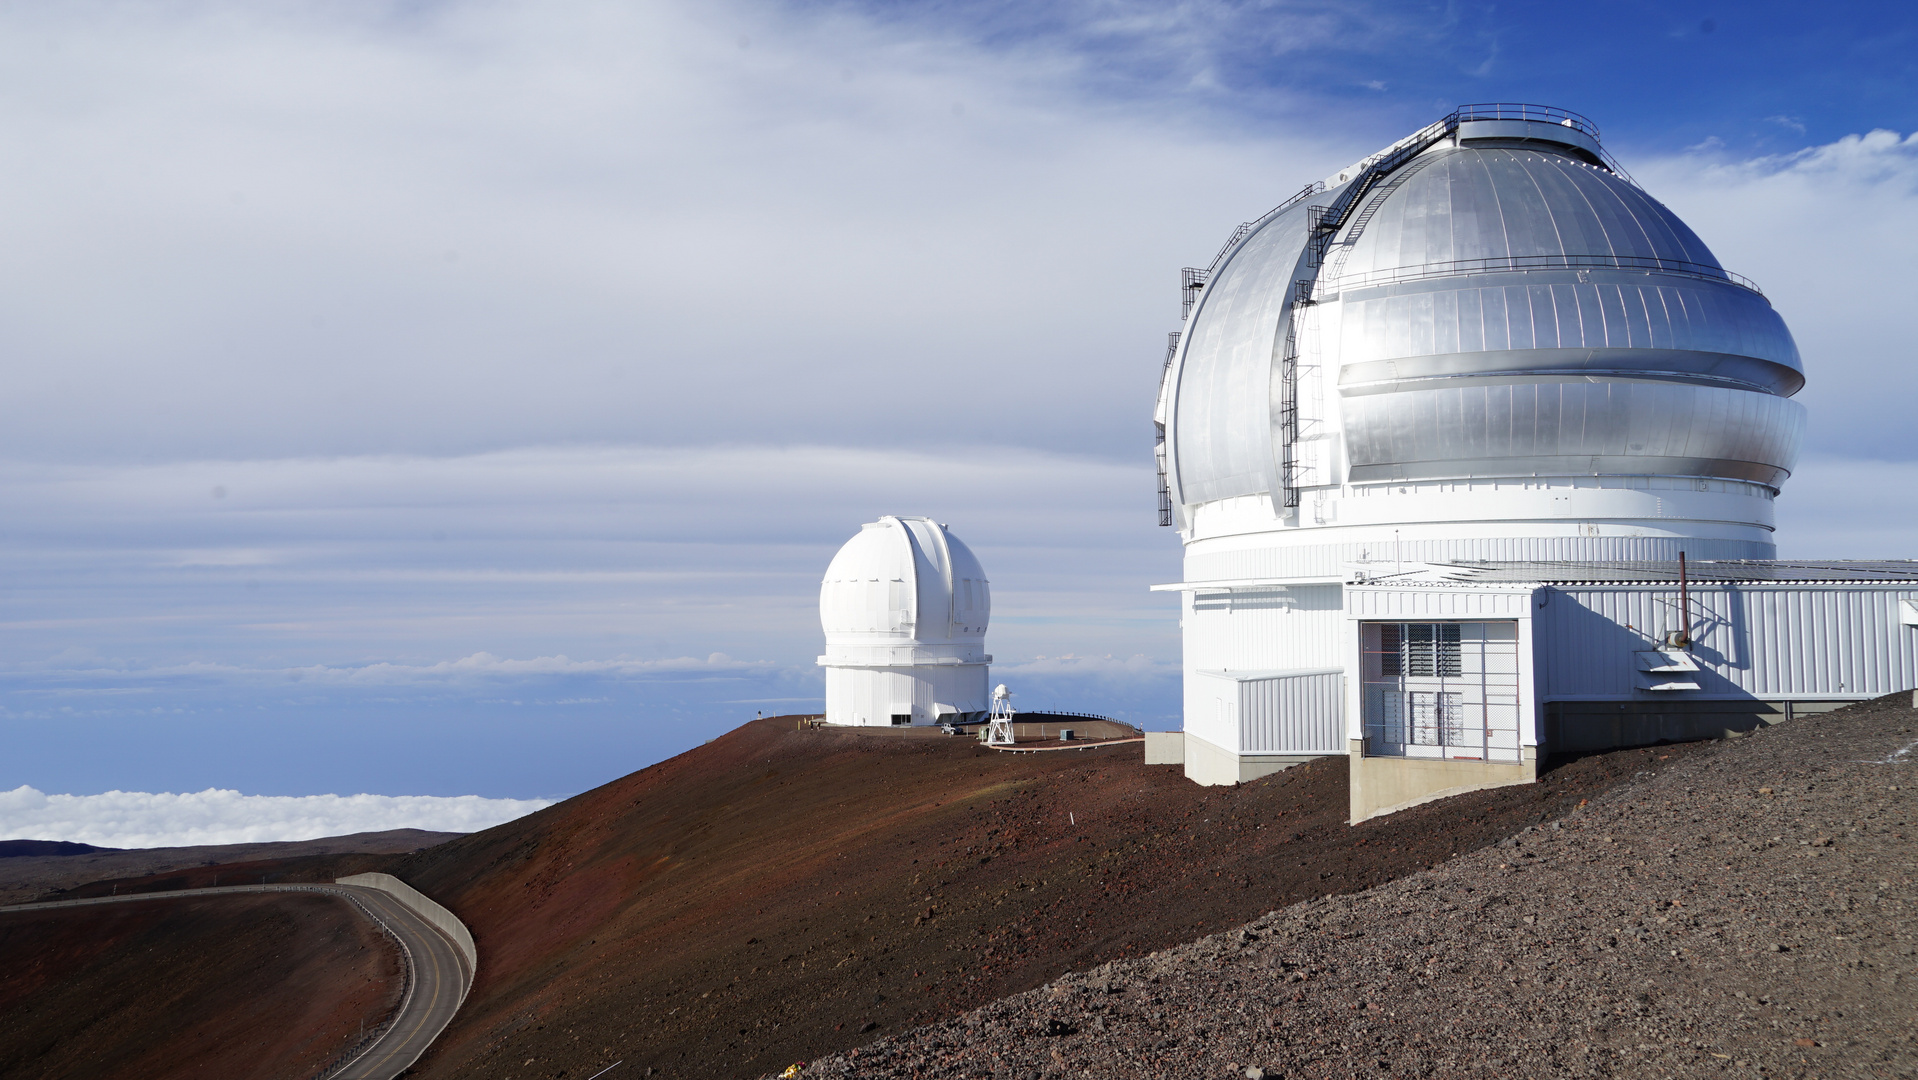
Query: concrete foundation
(1577, 726)
(1382, 785)
(1215, 766)
(1165, 748)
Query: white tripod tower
(999, 724)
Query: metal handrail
(1488, 110)
(1648, 264)
(1062, 712)
(1243, 230)
(1508, 110)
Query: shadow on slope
(779, 894)
(219, 986)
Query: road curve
(439, 976)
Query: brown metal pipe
(1684, 606)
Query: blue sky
(463, 398)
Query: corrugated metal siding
(1769, 641)
(1264, 630)
(1304, 560)
(1388, 602)
(1293, 714)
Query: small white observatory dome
(904, 606)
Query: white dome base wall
(874, 697)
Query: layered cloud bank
(138, 819)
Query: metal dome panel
(1561, 427)
(1463, 203)
(1521, 266)
(1223, 402)
(1566, 321)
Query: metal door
(1441, 690)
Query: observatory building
(1473, 448)
(905, 606)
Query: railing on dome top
(1505, 110)
(1511, 110)
(1544, 262)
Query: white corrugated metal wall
(1270, 629)
(1761, 641)
(1293, 713)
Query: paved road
(439, 984)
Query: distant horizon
(463, 402)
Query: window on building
(1431, 650)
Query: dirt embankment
(194, 987)
(1751, 910)
(776, 895)
(305, 869)
(26, 877)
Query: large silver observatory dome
(1489, 298)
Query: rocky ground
(1747, 910)
(781, 894)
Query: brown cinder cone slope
(252, 984)
(1748, 911)
(780, 894)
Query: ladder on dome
(1192, 281)
(1158, 432)
(1322, 224)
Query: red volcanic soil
(780, 894)
(253, 984)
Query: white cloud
(1827, 233)
(241, 230)
(630, 561)
(1848, 508)
(139, 819)
(468, 669)
(1106, 668)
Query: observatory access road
(437, 976)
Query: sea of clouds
(474, 369)
(142, 819)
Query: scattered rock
(1654, 950)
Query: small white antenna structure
(999, 723)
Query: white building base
(1165, 748)
(920, 694)
(1216, 766)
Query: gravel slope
(1749, 910)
